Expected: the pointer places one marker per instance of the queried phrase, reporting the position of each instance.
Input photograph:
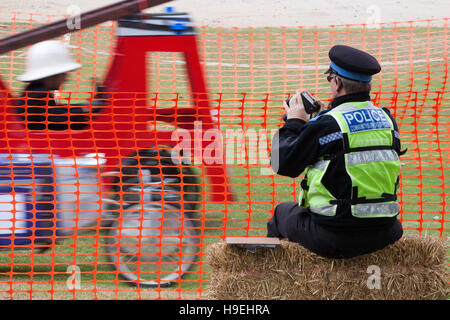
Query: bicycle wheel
(152, 247)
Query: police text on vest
(366, 119)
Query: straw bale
(412, 268)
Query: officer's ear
(339, 83)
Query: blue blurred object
(26, 199)
(178, 26)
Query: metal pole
(87, 19)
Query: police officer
(47, 65)
(348, 203)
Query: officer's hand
(296, 110)
(322, 107)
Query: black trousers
(295, 223)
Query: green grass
(250, 61)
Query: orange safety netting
(99, 209)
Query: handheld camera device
(309, 103)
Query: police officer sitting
(348, 203)
(47, 64)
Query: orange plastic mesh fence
(95, 222)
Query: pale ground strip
(265, 13)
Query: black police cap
(352, 63)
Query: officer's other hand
(322, 107)
(296, 110)
(100, 92)
(101, 98)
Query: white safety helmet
(47, 58)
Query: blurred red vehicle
(119, 172)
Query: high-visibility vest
(371, 162)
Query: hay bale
(412, 268)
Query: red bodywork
(121, 129)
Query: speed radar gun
(310, 104)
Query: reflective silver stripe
(321, 165)
(376, 209)
(350, 107)
(328, 210)
(371, 156)
(346, 107)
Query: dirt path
(260, 13)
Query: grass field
(275, 61)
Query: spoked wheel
(153, 247)
(154, 241)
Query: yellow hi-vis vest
(370, 160)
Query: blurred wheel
(151, 246)
(155, 240)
